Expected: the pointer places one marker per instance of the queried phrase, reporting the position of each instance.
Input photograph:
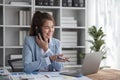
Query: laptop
(90, 65)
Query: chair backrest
(16, 64)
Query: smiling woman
(41, 50)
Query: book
(67, 18)
(39, 2)
(28, 17)
(69, 38)
(51, 2)
(69, 3)
(20, 17)
(15, 56)
(69, 21)
(69, 25)
(18, 3)
(75, 3)
(81, 3)
(64, 3)
(69, 44)
(22, 35)
(24, 17)
(45, 2)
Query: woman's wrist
(45, 49)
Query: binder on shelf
(22, 35)
(24, 17)
(75, 3)
(20, 18)
(18, 3)
(81, 3)
(45, 3)
(51, 2)
(39, 2)
(15, 56)
(69, 3)
(28, 18)
(64, 3)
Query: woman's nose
(50, 29)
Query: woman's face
(48, 29)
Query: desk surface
(106, 74)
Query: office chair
(15, 68)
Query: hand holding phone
(63, 58)
(39, 33)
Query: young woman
(41, 52)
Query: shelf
(13, 46)
(22, 26)
(8, 5)
(19, 26)
(73, 27)
(74, 8)
(48, 7)
(15, 22)
(73, 47)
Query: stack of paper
(69, 38)
(46, 76)
(69, 22)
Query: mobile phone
(62, 58)
(39, 32)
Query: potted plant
(97, 41)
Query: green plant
(97, 41)
(97, 36)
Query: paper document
(45, 76)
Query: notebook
(90, 65)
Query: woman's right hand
(42, 43)
(59, 58)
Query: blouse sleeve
(30, 64)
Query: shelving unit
(10, 27)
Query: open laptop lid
(91, 63)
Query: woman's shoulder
(55, 40)
(30, 38)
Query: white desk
(45, 76)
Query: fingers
(40, 37)
(59, 58)
(63, 60)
